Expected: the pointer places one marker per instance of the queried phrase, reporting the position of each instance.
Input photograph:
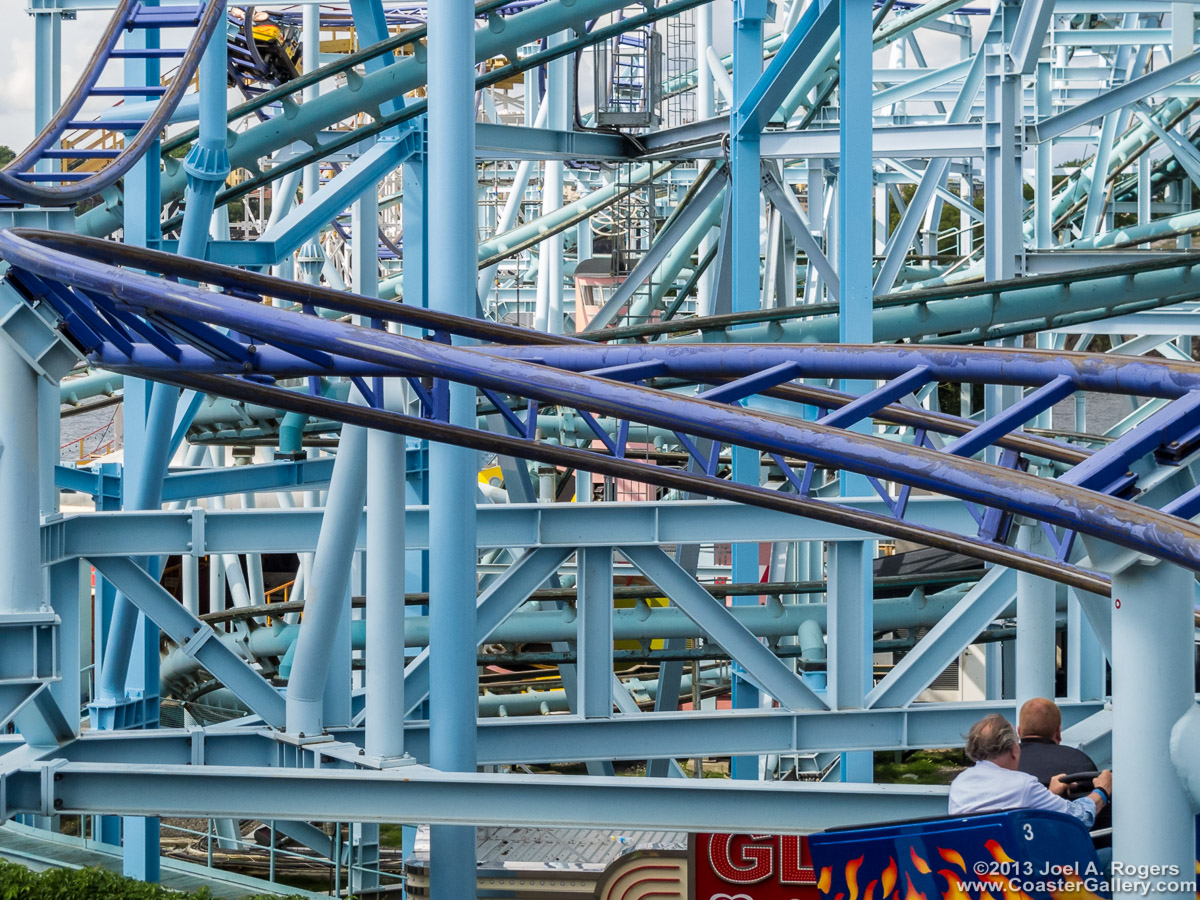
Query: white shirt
(986, 787)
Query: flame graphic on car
(897, 884)
(889, 878)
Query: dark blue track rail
(229, 342)
(21, 181)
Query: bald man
(1042, 754)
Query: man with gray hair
(995, 784)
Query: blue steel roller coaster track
(144, 320)
(20, 181)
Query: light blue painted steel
(453, 798)
(452, 470)
(634, 623)
(990, 598)
(194, 637)
(327, 591)
(744, 259)
(1036, 621)
(595, 634)
(816, 26)
(760, 665)
(1087, 667)
(495, 604)
(386, 491)
(849, 624)
(520, 525)
(1112, 100)
(20, 512)
(1153, 670)
(933, 177)
(207, 163)
(538, 739)
(144, 488)
(190, 485)
(327, 202)
(1029, 34)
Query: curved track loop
(173, 332)
(14, 178)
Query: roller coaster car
(279, 49)
(275, 43)
(1015, 855)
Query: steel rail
(601, 463)
(901, 299)
(1056, 503)
(241, 283)
(12, 186)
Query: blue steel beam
(1115, 98)
(218, 482)
(333, 198)
(500, 600)
(546, 739)
(677, 804)
(205, 532)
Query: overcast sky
(16, 66)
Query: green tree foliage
(19, 883)
(6, 154)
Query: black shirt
(1044, 759)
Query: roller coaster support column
(549, 315)
(207, 163)
(386, 490)
(47, 83)
(850, 564)
(1152, 623)
(706, 108)
(452, 471)
(46, 101)
(128, 686)
(1035, 623)
(744, 184)
(325, 632)
(310, 256)
(20, 542)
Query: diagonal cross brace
(501, 599)
(789, 207)
(717, 622)
(193, 636)
(946, 641)
(791, 60)
(666, 239)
